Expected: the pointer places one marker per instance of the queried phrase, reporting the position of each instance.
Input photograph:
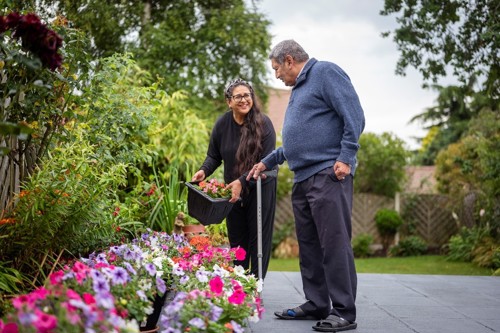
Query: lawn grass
(430, 264)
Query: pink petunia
(56, 277)
(240, 253)
(88, 298)
(40, 293)
(237, 297)
(23, 300)
(73, 294)
(45, 322)
(216, 285)
(9, 328)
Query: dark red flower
(35, 37)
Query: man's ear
(289, 60)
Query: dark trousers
(322, 206)
(242, 226)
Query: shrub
(461, 245)
(361, 245)
(410, 246)
(388, 222)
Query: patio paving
(396, 303)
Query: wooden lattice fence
(430, 216)
(427, 214)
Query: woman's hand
(235, 187)
(198, 176)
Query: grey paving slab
(396, 303)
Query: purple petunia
(198, 322)
(160, 285)
(150, 268)
(119, 276)
(216, 313)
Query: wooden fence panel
(428, 213)
(365, 207)
(431, 217)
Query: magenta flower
(240, 253)
(216, 284)
(237, 297)
(45, 322)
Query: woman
(240, 138)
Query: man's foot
(294, 314)
(333, 323)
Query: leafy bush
(380, 152)
(461, 245)
(388, 222)
(410, 246)
(487, 253)
(361, 245)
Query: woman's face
(241, 102)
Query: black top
(224, 142)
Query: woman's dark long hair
(250, 148)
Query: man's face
(284, 71)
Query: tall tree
(435, 35)
(194, 45)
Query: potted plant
(208, 201)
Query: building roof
(276, 106)
(421, 179)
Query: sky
(348, 33)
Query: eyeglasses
(239, 98)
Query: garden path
(396, 303)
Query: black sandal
(333, 323)
(294, 314)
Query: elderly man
(323, 122)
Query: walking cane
(271, 173)
(259, 226)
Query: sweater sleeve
(344, 99)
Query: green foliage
(281, 232)
(475, 245)
(180, 137)
(487, 253)
(118, 111)
(409, 246)
(449, 119)
(435, 36)
(196, 46)
(10, 279)
(461, 245)
(172, 200)
(472, 165)
(65, 206)
(381, 164)
(388, 221)
(361, 245)
(285, 176)
(33, 99)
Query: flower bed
(113, 291)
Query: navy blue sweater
(323, 122)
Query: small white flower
(260, 285)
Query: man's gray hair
(288, 47)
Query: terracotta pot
(192, 230)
